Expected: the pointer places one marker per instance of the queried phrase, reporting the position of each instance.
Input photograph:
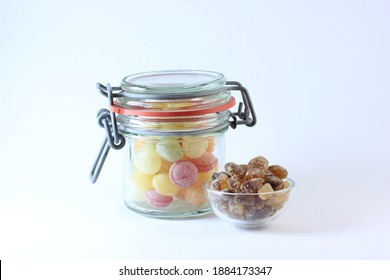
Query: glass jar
(172, 125)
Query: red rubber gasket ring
(196, 112)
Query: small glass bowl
(249, 209)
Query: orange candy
(165, 165)
(181, 194)
(211, 145)
(195, 196)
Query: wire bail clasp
(245, 113)
(107, 120)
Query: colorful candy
(147, 160)
(205, 162)
(194, 147)
(155, 199)
(183, 173)
(169, 150)
(210, 145)
(194, 196)
(141, 184)
(181, 194)
(168, 168)
(165, 166)
(163, 185)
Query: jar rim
(174, 83)
(175, 113)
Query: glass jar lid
(173, 84)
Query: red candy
(205, 163)
(183, 173)
(157, 200)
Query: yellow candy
(174, 105)
(141, 180)
(194, 146)
(140, 184)
(169, 105)
(202, 178)
(138, 144)
(147, 160)
(172, 125)
(155, 105)
(163, 185)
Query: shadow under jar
(172, 126)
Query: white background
(317, 71)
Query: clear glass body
(164, 175)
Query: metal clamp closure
(113, 139)
(245, 114)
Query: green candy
(170, 150)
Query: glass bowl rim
(289, 180)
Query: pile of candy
(168, 169)
(250, 191)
